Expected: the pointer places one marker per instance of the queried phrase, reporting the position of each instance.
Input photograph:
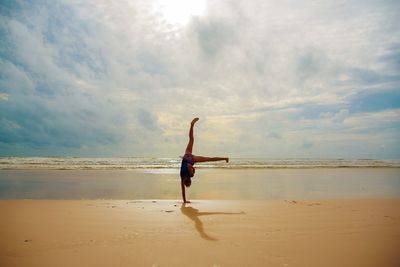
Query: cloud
(212, 35)
(147, 120)
(307, 145)
(3, 97)
(116, 78)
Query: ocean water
(132, 163)
(158, 178)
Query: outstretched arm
(183, 193)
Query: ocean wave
(131, 163)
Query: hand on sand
(194, 121)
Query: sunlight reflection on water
(207, 184)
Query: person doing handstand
(188, 160)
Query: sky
(271, 79)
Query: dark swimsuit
(187, 159)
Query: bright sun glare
(179, 12)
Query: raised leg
(205, 159)
(189, 147)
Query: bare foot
(194, 121)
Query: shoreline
(132, 163)
(199, 166)
(218, 184)
(341, 232)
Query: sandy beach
(358, 232)
(280, 217)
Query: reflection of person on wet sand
(194, 214)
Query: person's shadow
(194, 215)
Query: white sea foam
(130, 163)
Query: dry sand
(362, 232)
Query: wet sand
(287, 232)
(221, 184)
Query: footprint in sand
(314, 204)
(135, 201)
